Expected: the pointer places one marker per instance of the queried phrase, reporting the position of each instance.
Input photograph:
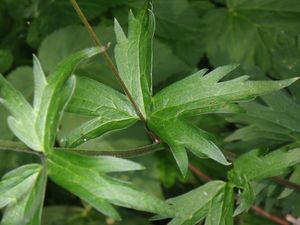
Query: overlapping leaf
(254, 166)
(21, 194)
(111, 110)
(277, 119)
(36, 126)
(198, 94)
(213, 200)
(86, 177)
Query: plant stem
(19, 147)
(107, 59)
(121, 153)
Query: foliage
(76, 121)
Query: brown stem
(269, 216)
(286, 183)
(107, 59)
(257, 209)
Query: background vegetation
(261, 35)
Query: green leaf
(21, 121)
(221, 208)
(180, 135)
(133, 56)
(21, 78)
(194, 206)
(277, 119)
(86, 177)
(110, 111)
(198, 94)
(245, 31)
(256, 166)
(22, 193)
(294, 177)
(247, 196)
(37, 126)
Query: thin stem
(121, 153)
(107, 59)
(270, 216)
(286, 183)
(45, 179)
(17, 147)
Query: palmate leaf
(86, 177)
(213, 200)
(246, 31)
(36, 126)
(198, 94)
(21, 194)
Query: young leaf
(36, 127)
(134, 56)
(111, 110)
(22, 193)
(86, 177)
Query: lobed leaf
(203, 92)
(277, 119)
(133, 56)
(85, 177)
(213, 200)
(111, 110)
(21, 121)
(254, 166)
(37, 126)
(21, 194)
(180, 135)
(198, 94)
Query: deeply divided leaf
(21, 195)
(108, 108)
(86, 177)
(133, 54)
(213, 200)
(36, 126)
